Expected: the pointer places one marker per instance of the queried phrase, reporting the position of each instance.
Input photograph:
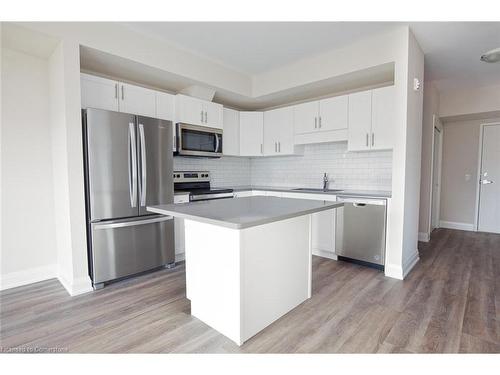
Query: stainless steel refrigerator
(128, 166)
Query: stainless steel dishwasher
(360, 230)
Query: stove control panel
(191, 176)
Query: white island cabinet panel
(250, 289)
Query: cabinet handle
(123, 92)
(279, 146)
(261, 148)
(319, 125)
(315, 122)
(116, 90)
(206, 117)
(275, 147)
(367, 136)
(373, 139)
(201, 114)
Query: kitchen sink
(320, 190)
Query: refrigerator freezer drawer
(125, 247)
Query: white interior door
(436, 179)
(489, 182)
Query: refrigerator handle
(132, 169)
(143, 165)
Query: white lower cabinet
(322, 226)
(179, 229)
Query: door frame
(478, 174)
(436, 125)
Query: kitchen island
(248, 260)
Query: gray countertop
(244, 212)
(354, 193)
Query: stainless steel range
(197, 183)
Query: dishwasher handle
(359, 204)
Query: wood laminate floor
(450, 302)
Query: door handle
(485, 182)
(132, 158)
(133, 223)
(143, 165)
(216, 143)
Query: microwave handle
(216, 143)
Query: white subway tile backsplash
(371, 170)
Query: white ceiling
(452, 49)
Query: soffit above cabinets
(115, 67)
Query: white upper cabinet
(306, 117)
(251, 133)
(231, 135)
(165, 106)
(360, 121)
(278, 131)
(371, 120)
(213, 115)
(195, 111)
(189, 110)
(333, 113)
(383, 118)
(137, 100)
(99, 93)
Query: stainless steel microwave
(194, 140)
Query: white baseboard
(393, 270)
(456, 225)
(180, 257)
(324, 254)
(28, 276)
(423, 237)
(78, 286)
(409, 263)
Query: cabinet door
(251, 133)
(360, 121)
(137, 100)
(165, 105)
(99, 93)
(323, 231)
(306, 117)
(272, 125)
(189, 110)
(383, 118)
(213, 116)
(333, 113)
(231, 135)
(285, 131)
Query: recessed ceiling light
(491, 56)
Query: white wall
(66, 136)
(430, 109)
(460, 158)
(28, 224)
(469, 101)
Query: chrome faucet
(325, 182)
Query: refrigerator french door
(128, 166)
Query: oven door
(196, 140)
